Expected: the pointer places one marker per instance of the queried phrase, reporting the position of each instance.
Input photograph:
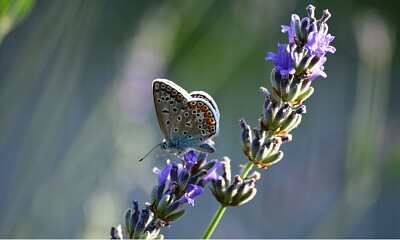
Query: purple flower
(283, 61)
(192, 192)
(318, 44)
(212, 172)
(318, 69)
(163, 175)
(190, 159)
(291, 30)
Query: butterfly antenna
(158, 145)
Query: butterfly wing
(167, 97)
(208, 98)
(199, 122)
(185, 121)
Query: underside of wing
(208, 98)
(186, 121)
(168, 98)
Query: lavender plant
(296, 65)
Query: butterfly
(187, 120)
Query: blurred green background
(76, 114)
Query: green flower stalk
(296, 65)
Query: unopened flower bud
(245, 193)
(255, 145)
(293, 123)
(306, 94)
(227, 174)
(165, 200)
(246, 137)
(183, 180)
(175, 216)
(265, 92)
(310, 11)
(255, 175)
(133, 219)
(302, 109)
(286, 138)
(116, 232)
(325, 16)
(271, 159)
(141, 224)
(285, 87)
(262, 153)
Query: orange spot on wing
(192, 104)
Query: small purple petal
(163, 175)
(212, 173)
(283, 61)
(318, 69)
(192, 192)
(190, 159)
(318, 44)
(291, 30)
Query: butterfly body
(187, 121)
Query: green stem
(218, 215)
(214, 222)
(246, 170)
